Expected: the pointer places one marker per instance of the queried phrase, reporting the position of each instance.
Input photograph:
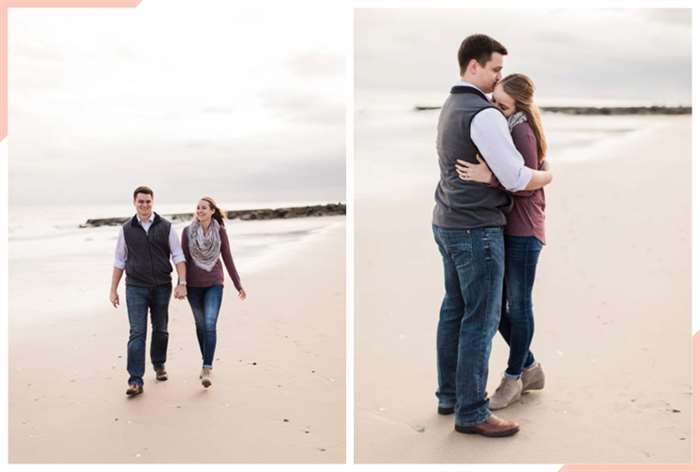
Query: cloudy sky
(571, 54)
(242, 104)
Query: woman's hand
(241, 294)
(180, 292)
(474, 172)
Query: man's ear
(471, 66)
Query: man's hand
(180, 292)
(545, 165)
(113, 295)
(474, 172)
(241, 294)
(114, 298)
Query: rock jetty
(651, 110)
(329, 209)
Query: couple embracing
(488, 223)
(145, 246)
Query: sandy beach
(279, 373)
(612, 313)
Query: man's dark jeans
(473, 263)
(205, 303)
(517, 322)
(138, 302)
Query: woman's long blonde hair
(522, 90)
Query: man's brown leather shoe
(493, 427)
(134, 390)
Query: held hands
(114, 298)
(180, 292)
(241, 294)
(474, 172)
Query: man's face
(489, 75)
(143, 204)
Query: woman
(523, 238)
(204, 243)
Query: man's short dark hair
(143, 189)
(479, 47)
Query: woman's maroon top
(527, 216)
(198, 277)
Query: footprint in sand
(416, 428)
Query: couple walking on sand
(488, 223)
(145, 246)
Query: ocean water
(395, 144)
(53, 232)
(58, 270)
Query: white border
(695, 177)
(350, 240)
(4, 290)
(349, 94)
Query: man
(145, 244)
(468, 221)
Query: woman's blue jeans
(517, 324)
(205, 303)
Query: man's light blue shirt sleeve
(175, 246)
(489, 131)
(120, 252)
